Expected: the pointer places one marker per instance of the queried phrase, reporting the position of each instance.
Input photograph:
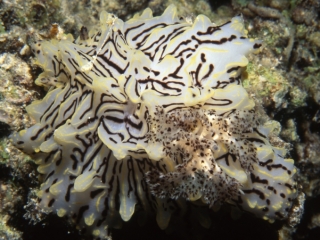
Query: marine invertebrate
(147, 112)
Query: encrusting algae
(147, 114)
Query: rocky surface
(283, 79)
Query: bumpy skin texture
(147, 114)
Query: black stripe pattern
(146, 115)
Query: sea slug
(147, 114)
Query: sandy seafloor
(283, 79)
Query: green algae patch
(4, 154)
(266, 83)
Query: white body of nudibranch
(147, 112)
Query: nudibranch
(147, 114)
